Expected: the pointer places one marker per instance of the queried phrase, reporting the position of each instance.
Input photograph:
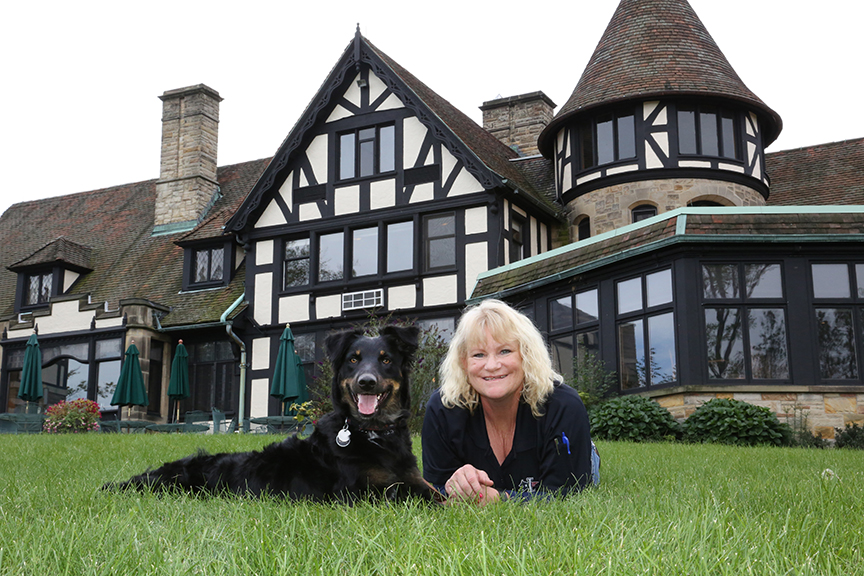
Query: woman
(503, 424)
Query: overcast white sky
(82, 79)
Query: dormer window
(207, 266)
(38, 288)
(367, 151)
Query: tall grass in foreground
(661, 509)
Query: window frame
(743, 303)
(720, 113)
(190, 265)
(574, 330)
(360, 138)
(854, 303)
(427, 239)
(587, 138)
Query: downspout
(241, 408)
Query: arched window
(703, 204)
(583, 229)
(643, 211)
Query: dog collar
(343, 437)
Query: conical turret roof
(657, 48)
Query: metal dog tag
(343, 438)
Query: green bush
(851, 437)
(725, 421)
(633, 418)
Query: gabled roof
(681, 226)
(816, 175)
(654, 49)
(482, 154)
(61, 251)
(126, 260)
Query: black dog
(361, 448)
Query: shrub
(633, 418)
(591, 379)
(76, 416)
(726, 421)
(851, 437)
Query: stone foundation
(824, 411)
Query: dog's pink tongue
(367, 403)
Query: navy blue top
(551, 453)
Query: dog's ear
(336, 345)
(403, 338)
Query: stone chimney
(187, 185)
(518, 120)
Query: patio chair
(29, 423)
(196, 417)
(218, 421)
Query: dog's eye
(353, 360)
(385, 360)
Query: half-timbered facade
(383, 199)
(644, 223)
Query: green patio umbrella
(289, 379)
(31, 374)
(178, 386)
(130, 389)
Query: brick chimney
(518, 120)
(187, 185)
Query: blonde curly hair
(505, 325)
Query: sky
(81, 80)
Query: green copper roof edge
(714, 210)
(663, 243)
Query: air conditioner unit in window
(363, 299)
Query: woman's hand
(468, 484)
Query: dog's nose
(367, 381)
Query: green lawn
(662, 509)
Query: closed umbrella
(289, 379)
(130, 389)
(31, 374)
(178, 386)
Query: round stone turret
(658, 120)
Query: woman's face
(495, 369)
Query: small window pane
(727, 125)
(659, 287)
(330, 257)
(587, 309)
(561, 313)
(605, 142)
(763, 281)
(346, 156)
(217, 260)
(387, 149)
(584, 229)
(109, 348)
(367, 158)
(46, 287)
(720, 281)
(108, 375)
(629, 295)
(304, 345)
(586, 143)
(831, 281)
(686, 132)
(296, 262)
(725, 344)
(365, 251)
(836, 334)
(562, 356)
(708, 126)
(202, 264)
(441, 226)
(859, 275)
(626, 137)
(442, 252)
(34, 290)
(631, 348)
(643, 212)
(663, 366)
(400, 246)
(768, 354)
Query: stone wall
(518, 120)
(609, 208)
(824, 411)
